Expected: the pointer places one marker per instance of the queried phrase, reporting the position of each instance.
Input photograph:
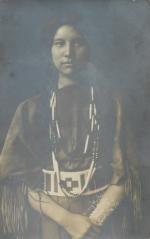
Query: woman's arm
(75, 224)
(108, 203)
(114, 194)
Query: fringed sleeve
(126, 163)
(133, 183)
(13, 207)
(16, 159)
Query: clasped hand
(76, 225)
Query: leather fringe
(133, 189)
(13, 207)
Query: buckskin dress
(27, 151)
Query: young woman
(68, 147)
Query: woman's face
(69, 50)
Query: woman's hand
(77, 225)
(34, 199)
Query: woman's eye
(58, 43)
(78, 43)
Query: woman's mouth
(67, 63)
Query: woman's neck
(65, 81)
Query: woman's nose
(68, 49)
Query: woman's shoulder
(34, 101)
(33, 107)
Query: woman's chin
(69, 73)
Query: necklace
(93, 135)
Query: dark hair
(74, 20)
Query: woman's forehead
(67, 32)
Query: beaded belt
(72, 181)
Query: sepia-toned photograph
(74, 119)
